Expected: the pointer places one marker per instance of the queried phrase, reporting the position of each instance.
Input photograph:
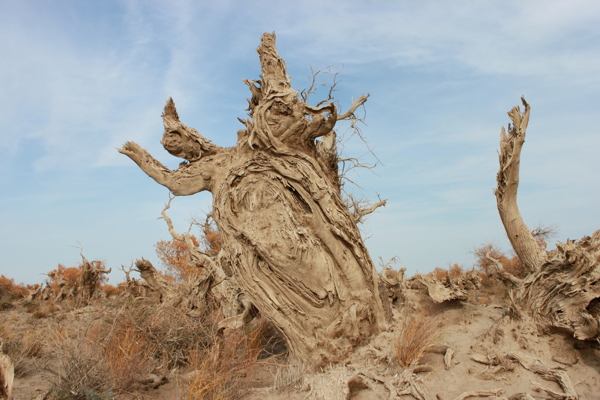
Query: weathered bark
(562, 289)
(290, 240)
(134, 288)
(7, 375)
(90, 279)
(565, 292)
(529, 251)
(439, 292)
(549, 374)
(169, 295)
(47, 292)
(34, 294)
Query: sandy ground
(472, 331)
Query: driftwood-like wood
(7, 375)
(439, 292)
(549, 374)
(169, 295)
(290, 240)
(562, 289)
(89, 279)
(480, 393)
(529, 251)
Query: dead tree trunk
(90, 278)
(562, 289)
(290, 240)
(7, 375)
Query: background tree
(81, 281)
(288, 237)
(561, 288)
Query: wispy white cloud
(82, 78)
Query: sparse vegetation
(417, 332)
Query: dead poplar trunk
(290, 240)
(562, 289)
(89, 280)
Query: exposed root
(446, 350)
(480, 393)
(549, 374)
(408, 385)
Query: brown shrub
(127, 351)
(110, 290)
(80, 371)
(440, 274)
(9, 291)
(219, 369)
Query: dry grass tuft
(219, 371)
(288, 376)
(22, 349)
(417, 333)
(127, 351)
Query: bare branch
(545, 232)
(513, 280)
(201, 258)
(359, 212)
(314, 86)
(357, 103)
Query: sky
(80, 78)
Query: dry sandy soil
(481, 337)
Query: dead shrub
(22, 350)
(219, 370)
(9, 291)
(173, 332)
(111, 291)
(41, 309)
(127, 352)
(80, 371)
(417, 333)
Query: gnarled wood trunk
(562, 289)
(289, 239)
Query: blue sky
(80, 78)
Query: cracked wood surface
(290, 240)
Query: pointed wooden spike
(170, 110)
(274, 77)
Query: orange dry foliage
(511, 264)
(175, 257)
(10, 290)
(111, 290)
(71, 275)
(455, 271)
(128, 353)
(439, 273)
(219, 369)
(212, 242)
(442, 274)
